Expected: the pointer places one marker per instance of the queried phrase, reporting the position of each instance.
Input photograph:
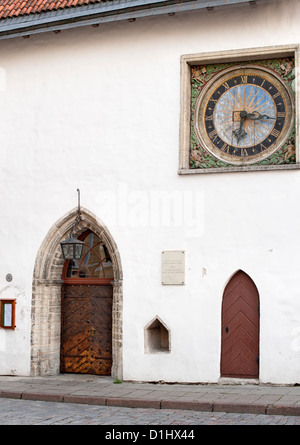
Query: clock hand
(240, 132)
(256, 116)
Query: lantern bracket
(78, 217)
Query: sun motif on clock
(244, 114)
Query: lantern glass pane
(67, 251)
(78, 250)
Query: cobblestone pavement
(27, 412)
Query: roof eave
(102, 12)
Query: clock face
(244, 114)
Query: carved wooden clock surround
(238, 111)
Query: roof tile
(15, 8)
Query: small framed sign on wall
(173, 267)
(7, 308)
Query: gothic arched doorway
(240, 328)
(47, 291)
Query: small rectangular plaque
(173, 267)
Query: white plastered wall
(99, 109)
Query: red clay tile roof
(14, 8)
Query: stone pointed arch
(46, 294)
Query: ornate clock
(244, 114)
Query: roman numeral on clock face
(213, 135)
(275, 133)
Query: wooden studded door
(86, 337)
(87, 296)
(240, 328)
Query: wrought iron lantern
(72, 247)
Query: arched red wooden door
(86, 331)
(240, 328)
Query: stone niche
(157, 337)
